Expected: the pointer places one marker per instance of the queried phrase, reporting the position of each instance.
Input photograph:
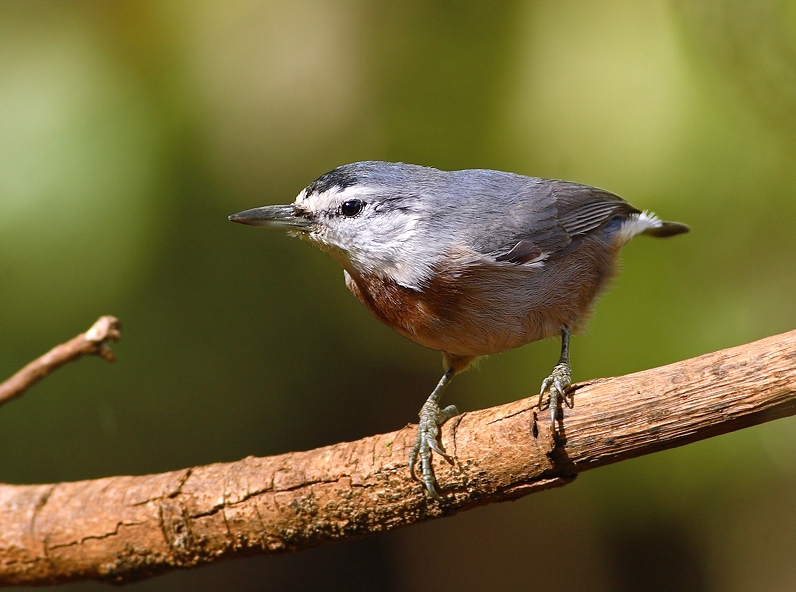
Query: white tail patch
(637, 224)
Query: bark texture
(124, 528)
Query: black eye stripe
(351, 207)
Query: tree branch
(124, 528)
(92, 342)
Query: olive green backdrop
(130, 130)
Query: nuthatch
(469, 263)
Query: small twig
(93, 342)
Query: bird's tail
(649, 224)
(667, 229)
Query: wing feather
(557, 215)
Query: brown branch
(124, 528)
(92, 342)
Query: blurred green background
(129, 130)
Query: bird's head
(368, 215)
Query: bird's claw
(557, 384)
(431, 418)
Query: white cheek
(409, 231)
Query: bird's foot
(431, 418)
(557, 383)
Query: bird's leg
(559, 380)
(431, 418)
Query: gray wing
(548, 218)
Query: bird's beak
(286, 217)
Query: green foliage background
(130, 130)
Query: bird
(466, 262)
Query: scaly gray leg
(559, 380)
(431, 417)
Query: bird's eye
(351, 207)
